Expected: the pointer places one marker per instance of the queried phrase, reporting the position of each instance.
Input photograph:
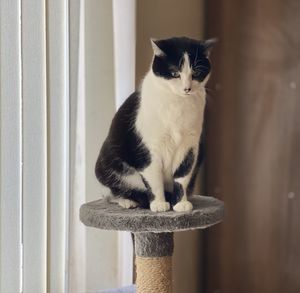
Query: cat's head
(181, 64)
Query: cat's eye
(175, 74)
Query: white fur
(170, 122)
(159, 206)
(186, 73)
(183, 206)
(124, 203)
(157, 51)
(134, 180)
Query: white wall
(101, 246)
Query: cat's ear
(208, 45)
(155, 46)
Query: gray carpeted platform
(104, 215)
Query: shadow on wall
(253, 161)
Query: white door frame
(11, 147)
(58, 142)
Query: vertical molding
(124, 21)
(76, 241)
(58, 142)
(11, 147)
(35, 146)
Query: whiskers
(210, 94)
(209, 90)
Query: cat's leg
(185, 161)
(153, 179)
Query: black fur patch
(177, 193)
(146, 183)
(123, 152)
(169, 197)
(123, 141)
(200, 159)
(186, 165)
(174, 50)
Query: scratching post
(154, 262)
(153, 234)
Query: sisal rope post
(154, 262)
(154, 274)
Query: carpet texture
(102, 214)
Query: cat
(152, 152)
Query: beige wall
(161, 19)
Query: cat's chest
(182, 118)
(169, 123)
(180, 114)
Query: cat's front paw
(159, 206)
(127, 203)
(183, 206)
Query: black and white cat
(150, 155)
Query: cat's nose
(187, 90)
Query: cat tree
(153, 234)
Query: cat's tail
(127, 186)
(123, 181)
(132, 187)
(133, 197)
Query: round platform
(104, 215)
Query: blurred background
(252, 141)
